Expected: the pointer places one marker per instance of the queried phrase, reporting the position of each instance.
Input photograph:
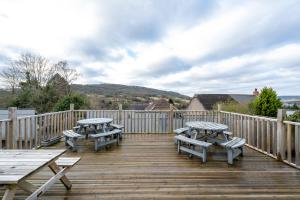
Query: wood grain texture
(147, 166)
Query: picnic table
(16, 166)
(101, 130)
(94, 122)
(211, 130)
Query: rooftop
(147, 166)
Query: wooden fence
(272, 136)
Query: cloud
(189, 46)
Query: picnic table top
(210, 126)
(16, 165)
(94, 121)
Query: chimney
(255, 92)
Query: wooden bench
(180, 131)
(67, 161)
(203, 145)
(234, 148)
(117, 126)
(76, 128)
(71, 138)
(106, 138)
(60, 168)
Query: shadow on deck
(148, 166)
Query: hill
(124, 90)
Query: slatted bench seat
(67, 161)
(227, 134)
(117, 126)
(71, 138)
(76, 128)
(203, 146)
(234, 148)
(106, 138)
(180, 131)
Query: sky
(186, 46)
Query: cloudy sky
(187, 46)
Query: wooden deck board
(147, 166)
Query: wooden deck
(148, 167)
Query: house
(207, 101)
(161, 104)
(138, 106)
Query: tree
(294, 117)
(267, 103)
(67, 73)
(28, 67)
(78, 100)
(41, 83)
(11, 76)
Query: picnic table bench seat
(118, 126)
(181, 130)
(234, 148)
(193, 142)
(67, 161)
(76, 128)
(71, 138)
(106, 138)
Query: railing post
(12, 115)
(171, 116)
(71, 118)
(120, 113)
(281, 138)
(219, 113)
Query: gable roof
(138, 106)
(243, 98)
(160, 104)
(209, 100)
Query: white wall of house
(195, 105)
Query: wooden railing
(140, 121)
(291, 143)
(274, 137)
(32, 131)
(260, 132)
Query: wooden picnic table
(94, 122)
(211, 130)
(16, 166)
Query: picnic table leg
(10, 192)
(55, 169)
(26, 186)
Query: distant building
(138, 106)
(20, 113)
(160, 104)
(255, 92)
(207, 101)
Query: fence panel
(260, 132)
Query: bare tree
(34, 67)
(11, 76)
(67, 73)
(28, 67)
